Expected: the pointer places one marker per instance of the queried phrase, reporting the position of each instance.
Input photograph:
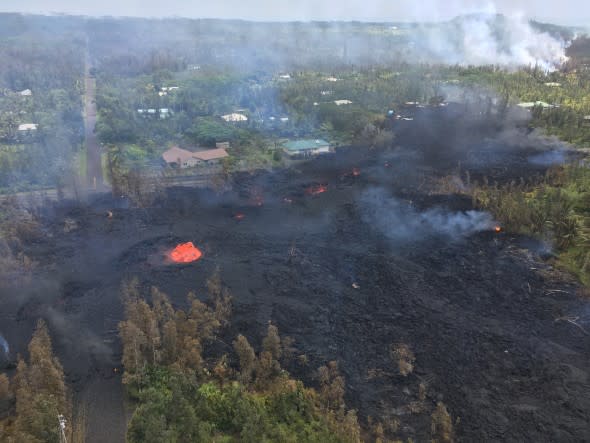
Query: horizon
(262, 11)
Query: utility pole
(62, 428)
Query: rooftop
(211, 154)
(234, 117)
(537, 103)
(27, 127)
(175, 154)
(302, 145)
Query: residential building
(342, 102)
(234, 117)
(27, 127)
(182, 158)
(222, 145)
(530, 105)
(26, 92)
(306, 148)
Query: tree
(331, 387)
(40, 391)
(272, 342)
(441, 425)
(221, 297)
(247, 358)
(403, 356)
(4, 390)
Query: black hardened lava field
(348, 254)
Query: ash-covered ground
(348, 255)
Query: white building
(28, 127)
(234, 117)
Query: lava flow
(497, 229)
(315, 190)
(185, 253)
(356, 172)
(238, 216)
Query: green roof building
(306, 148)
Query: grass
(556, 209)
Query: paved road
(93, 149)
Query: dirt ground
(347, 273)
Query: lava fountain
(185, 253)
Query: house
(530, 105)
(28, 127)
(26, 92)
(331, 79)
(553, 84)
(285, 76)
(342, 102)
(164, 113)
(178, 157)
(306, 148)
(211, 156)
(181, 158)
(222, 145)
(234, 117)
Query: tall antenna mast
(62, 429)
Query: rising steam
(4, 345)
(491, 39)
(402, 223)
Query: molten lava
(239, 216)
(185, 253)
(356, 172)
(497, 229)
(316, 190)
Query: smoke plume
(4, 345)
(402, 223)
(491, 39)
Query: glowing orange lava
(315, 190)
(185, 253)
(239, 216)
(497, 229)
(356, 172)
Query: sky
(568, 12)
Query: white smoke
(490, 39)
(4, 345)
(402, 223)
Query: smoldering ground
(403, 224)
